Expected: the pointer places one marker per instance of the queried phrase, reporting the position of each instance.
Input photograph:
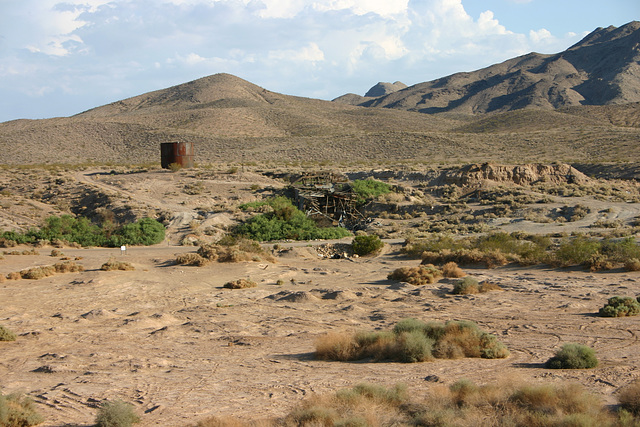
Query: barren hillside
(231, 120)
(602, 69)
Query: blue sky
(59, 58)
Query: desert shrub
(599, 262)
(491, 259)
(240, 284)
(465, 339)
(7, 243)
(416, 247)
(81, 231)
(366, 244)
(56, 253)
(116, 414)
(412, 347)
(286, 221)
(418, 276)
(192, 259)
(67, 267)
(452, 270)
(174, 167)
(620, 307)
(146, 231)
(412, 341)
(14, 275)
(369, 189)
(17, 410)
(556, 400)
(575, 251)
(6, 334)
(36, 273)
(629, 397)
(573, 356)
(360, 406)
(114, 264)
(341, 346)
(632, 264)
(234, 249)
(470, 285)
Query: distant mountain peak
(384, 88)
(602, 69)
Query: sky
(59, 58)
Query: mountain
(602, 69)
(535, 117)
(229, 119)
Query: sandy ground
(173, 342)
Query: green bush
(18, 411)
(116, 414)
(573, 356)
(146, 231)
(66, 228)
(576, 251)
(6, 334)
(369, 189)
(620, 307)
(286, 222)
(365, 245)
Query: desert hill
(602, 69)
(231, 120)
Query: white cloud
(309, 53)
(384, 8)
(103, 50)
(541, 36)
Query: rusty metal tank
(181, 153)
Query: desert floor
(170, 340)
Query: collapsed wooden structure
(328, 197)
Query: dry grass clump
(492, 258)
(23, 252)
(116, 414)
(463, 403)
(470, 285)
(17, 410)
(67, 267)
(56, 253)
(460, 404)
(418, 276)
(412, 341)
(240, 284)
(192, 259)
(629, 397)
(452, 270)
(632, 264)
(620, 307)
(114, 264)
(6, 334)
(14, 275)
(362, 405)
(36, 273)
(231, 249)
(232, 422)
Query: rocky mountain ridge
(602, 69)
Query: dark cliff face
(602, 69)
